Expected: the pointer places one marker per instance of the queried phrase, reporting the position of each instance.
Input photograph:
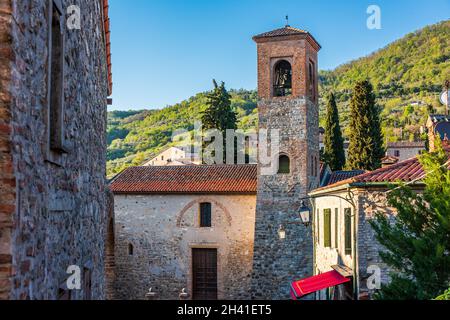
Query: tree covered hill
(407, 76)
(134, 136)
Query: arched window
(130, 249)
(284, 165)
(282, 79)
(205, 215)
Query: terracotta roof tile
(285, 31)
(337, 176)
(187, 179)
(405, 171)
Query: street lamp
(305, 214)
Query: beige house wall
(164, 229)
(368, 203)
(405, 153)
(173, 157)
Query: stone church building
(211, 232)
(54, 85)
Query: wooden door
(204, 274)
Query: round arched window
(282, 79)
(284, 165)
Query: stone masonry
(53, 209)
(162, 230)
(279, 262)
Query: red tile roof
(388, 160)
(405, 171)
(286, 32)
(187, 179)
(107, 30)
(337, 176)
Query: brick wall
(59, 211)
(279, 262)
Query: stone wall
(58, 215)
(371, 202)
(163, 230)
(277, 262)
(7, 177)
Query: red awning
(307, 286)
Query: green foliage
(417, 240)
(218, 113)
(366, 139)
(409, 70)
(444, 296)
(334, 153)
(150, 131)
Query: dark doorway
(204, 274)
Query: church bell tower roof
(286, 31)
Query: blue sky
(165, 51)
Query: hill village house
(230, 232)
(54, 208)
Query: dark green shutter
(348, 231)
(327, 228)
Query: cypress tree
(366, 138)
(334, 153)
(219, 113)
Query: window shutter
(327, 228)
(205, 215)
(348, 231)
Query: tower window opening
(284, 165)
(282, 85)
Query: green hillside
(407, 76)
(135, 136)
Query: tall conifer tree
(219, 113)
(366, 138)
(334, 153)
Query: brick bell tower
(288, 101)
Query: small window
(56, 85)
(130, 249)
(397, 153)
(284, 165)
(348, 231)
(205, 215)
(327, 228)
(282, 79)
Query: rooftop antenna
(287, 21)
